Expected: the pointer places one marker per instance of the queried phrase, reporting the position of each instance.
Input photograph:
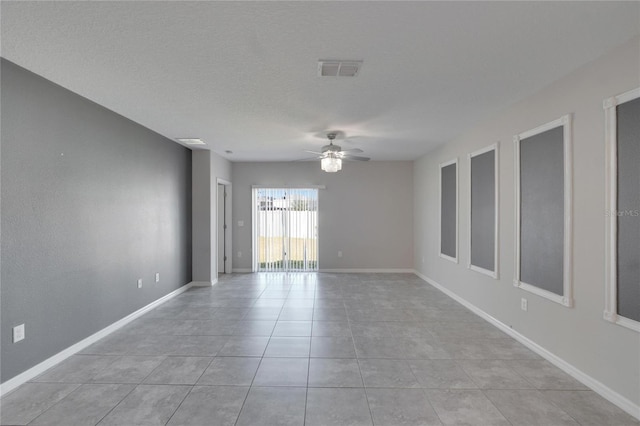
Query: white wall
(207, 167)
(221, 168)
(607, 352)
(366, 211)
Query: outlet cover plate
(18, 333)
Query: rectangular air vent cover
(338, 68)
(191, 141)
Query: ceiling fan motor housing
(331, 148)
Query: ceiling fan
(332, 155)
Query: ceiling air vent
(336, 68)
(191, 141)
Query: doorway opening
(285, 229)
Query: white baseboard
(204, 283)
(370, 270)
(38, 369)
(351, 270)
(598, 387)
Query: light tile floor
(312, 349)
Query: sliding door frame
(255, 252)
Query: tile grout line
(180, 405)
(206, 368)
(52, 405)
(257, 369)
(251, 384)
(306, 395)
(115, 406)
(496, 407)
(353, 341)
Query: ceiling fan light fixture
(332, 155)
(331, 164)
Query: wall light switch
(18, 333)
(339, 253)
(523, 304)
(239, 254)
(241, 223)
(140, 283)
(157, 277)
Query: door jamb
(227, 218)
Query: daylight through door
(285, 229)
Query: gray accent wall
(91, 202)
(602, 350)
(366, 211)
(207, 168)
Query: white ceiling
(243, 75)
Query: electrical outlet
(339, 253)
(18, 333)
(523, 304)
(239, 254)
(139, 282)
(157, 277)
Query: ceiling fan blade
(310, 159)
(355, 158)
(354, 150)
(313, 152)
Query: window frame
(495, 274)
(611, 224)
(442, 255)
(566, 299)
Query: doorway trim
(228, 234)
(254, 228)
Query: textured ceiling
(243, 75)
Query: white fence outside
(302, 224)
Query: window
(483, 211)
(449, 210)
(622, 303)
(543, 160)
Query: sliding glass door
(285, 229)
